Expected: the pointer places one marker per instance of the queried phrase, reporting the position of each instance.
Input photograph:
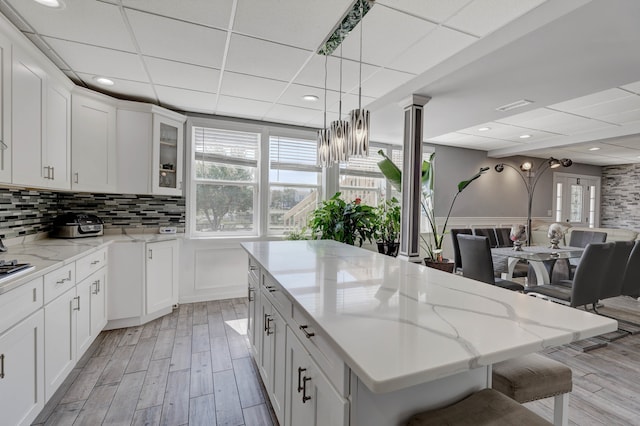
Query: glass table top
(539, 253)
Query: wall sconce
(531, 179)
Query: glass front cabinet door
(167, 155)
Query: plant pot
(445, 265)
(390, 249)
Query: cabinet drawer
(20, 303)
(277, 297)
(59, 281)
(321, 351)
(90, 263)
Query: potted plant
(433, 244)
(388, 227)
(347, 222)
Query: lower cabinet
(271, 360)
(21, 370)
(162, 275)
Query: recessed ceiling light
(104, 81)
(525, 136)
(484, 129)
(514, 105)
(595, 148)
(57, 4)
(310, 98)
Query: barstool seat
(487, 407)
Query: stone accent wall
(25, 212)
(620, 200)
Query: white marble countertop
(398, 324)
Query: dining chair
(631, 279)
(589, 280)
(504, 237)
(457, 267)
(477, 262)
(619, 259)
(490, 233)
(579, 238)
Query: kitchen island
(368, 339)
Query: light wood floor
(193, 367)
(189, 367)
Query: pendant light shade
(340, 140)
(325, 156)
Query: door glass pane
(559, 202)
(592, 206)
(575, 213)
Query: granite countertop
(48, 254)
(398, 324)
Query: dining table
(536, 256)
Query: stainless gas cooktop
(11, 268)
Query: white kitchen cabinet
(82, 312)
(161, 275)
(150, 149)
(252, 295)
(21, 371)
(98, 297)
(93, 142)
(60, 339)
(40, 124)
(5, 108)
(311, 398)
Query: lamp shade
(359, 132)
(325, 157)
(340, 140)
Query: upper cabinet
(150, 149)
(93, 147)
(5, 109)
(40, 125)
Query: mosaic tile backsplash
(620, 200)
(25, 212)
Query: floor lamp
(530, 177)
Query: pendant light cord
(340, 103)
(325, 92)
(360, 76)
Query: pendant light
(339, 135)
(325, 157)
(359, 118)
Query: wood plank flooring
(191, 367)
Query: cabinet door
(21, 369)
(278, 381)
(93, 144)
(57, 143)
(82, 317)
(265, 351)
(251, 315)
(310, 397)
(167, 155)
(98, 301)
(28, 92)
(5, 109)
(59, 340)
(162, 275)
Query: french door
(576, 199)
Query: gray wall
(620, 201)
(493, 194)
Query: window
(294, 183)
(361, 178)
(225, 170)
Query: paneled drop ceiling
(575, 59)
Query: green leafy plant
(347, 222)
(297, 234)
(432, 245)
(388, 221)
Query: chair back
(631, 279)
(456, 247)
(580, 238)
(477, 263)
(490, 233)
(504, 237)
(591, 273)
(613, 278)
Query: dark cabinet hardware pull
(300, 371)
(305, 398)
(306, 333)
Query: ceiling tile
(213, 13)
(237, 107)
(383, 82)
(261, 58)
(626, 117)
(431, 50)
(605, 96)
(250, 87)
(554, 121)
(289, 114)
(294, 93)
(89, 59)
(89, 22)
(506, 132)
(433, 10)
(196, 44)
(616, 106)
(386, 34)
(632, 141)
(313, 73)
(123, 88)
(276, 20)
(471, 141)
(482, 17)
(633, 87)
(179, 74)
(187, 100)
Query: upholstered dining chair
(504, 237)
(619, 259)
(490, 233)
(456, 248)
(579, 238)
(631, 279)
(477, 262)
(589, 280)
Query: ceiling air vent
(514, 105)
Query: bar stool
(534, 377)
(487, 407)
